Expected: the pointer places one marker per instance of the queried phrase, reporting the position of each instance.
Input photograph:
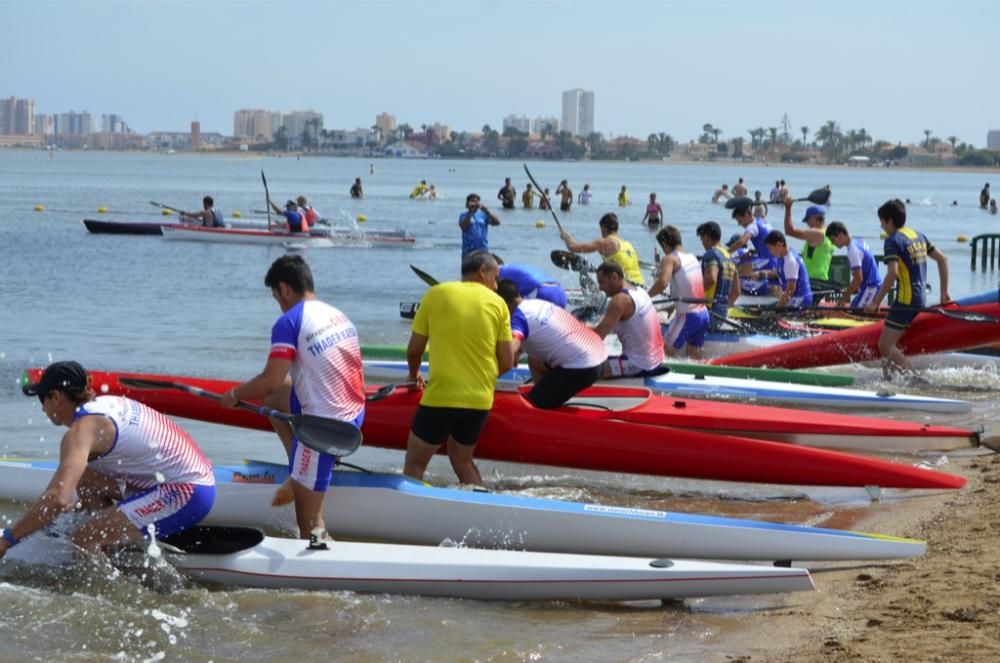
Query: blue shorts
(687, 329)
(552, 292)
(311, 468)
(864, 296)
(169, 508)
(900, 316)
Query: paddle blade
(424, 276)
(328, 436)
(568, 260)
(739, 202)
(965, 316)
(388, 390)
(820, 196)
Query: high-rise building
(545, 125)
(196, 135)
(112, 123)
(519, 122)
(45, 124)
(74, 124)
(993, 140)
(386, 124)
(442, 132)
(17, 116)
(578, 112)
(297, 122)
(256, 125)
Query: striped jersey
(759, 230)
(640, 334)
(719, 292)
(553, 335)
(687, 283)
(322, 344)
(792, 268)
(149, 449)
(910, 248)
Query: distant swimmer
(567, 196)
(432, 193)
(543, 202)
(356, 191)
(585, 195)
(722, 193)
(371, 169)
(419, 190)
(759, 206)
(984, 196)
(654, 213)
(507, 195)
(528, 197)
(954, 203)
(623, 197)
(209, 216)
(740, 189)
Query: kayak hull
(263, 236)
(378, 238)
(641, 430)
(470, 573)
(390, 507)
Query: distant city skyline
(894, 69)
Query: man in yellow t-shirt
(470, 326)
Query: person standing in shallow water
(654, 213)
(567, 196)
(507, 195)
(475, 223)
(528, 197)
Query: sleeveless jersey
(859, 256)
(688, 283)
(217, 220)
(553, 335)
(817, 259)
(640, 334)
(791, 267)
(759, 230)
(627, 258)
(322, 344)
(149, 449)
(719, 292)
(910, 248)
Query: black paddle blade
(965, 316)
(739, 202)
(424, 276)
(568, 260)
(387, 390)
(820, 196)
(328, 436)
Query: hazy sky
(893, 68)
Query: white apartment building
(578, 112)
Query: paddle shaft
(965, 316)
(267, 198)
(541, 192)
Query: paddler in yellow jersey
(612, 249)
(623, 197)
(420, 190)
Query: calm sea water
(140, 303)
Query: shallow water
(143, 304)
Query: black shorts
(561, 384)
(434, 425)
(564, 207)
(900, 316)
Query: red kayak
(930, 332)
(597, 436)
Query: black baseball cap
(66, 376)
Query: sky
(892, 68)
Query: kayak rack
(991, 250)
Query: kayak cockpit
(205, 540)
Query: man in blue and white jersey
(865, 277)
(796, 292)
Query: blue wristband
(9, 537)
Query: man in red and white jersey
(632, 317)
(565, 356)
(318, 346)
(168, 482)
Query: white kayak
(714, 387)
(247, 558)
(245, 236)
(390, 507)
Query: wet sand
(944, 606)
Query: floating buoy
(237, 214)
(962, 239)
(362, 218)
(540, 223)
(102, 210)
(39, 208)
(165, 212)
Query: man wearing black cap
(169, 484)
(817, 252)
(295, 222)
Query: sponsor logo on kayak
(261, 477)
(625, 511)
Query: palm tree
(653, 141)
(927, 138)
(715, 134)
(377, 134)
(774, 135)
(805, 136)
(708, 130)
(952, 140)
(785, 124)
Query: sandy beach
(944, 606)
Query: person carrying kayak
(631, 317)
(167, 484)
(209, 216)
(316, 346)
(534, 283)
(564, 355)
(817, 252)
(611, 247)
(471, 324)
(755, 231)
(790, 270)
(865, 277)
(718, 274)
(295, 221)
(654, 213)
(475, 223)
(906, 251)
(682, 272)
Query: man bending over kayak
(796, 292)
(168, 482)
(534, 283)
(632, 317)
(682, 272)
(865, 277)
(564, 355)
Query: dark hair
(508, 291)
(669, 236)
(207, 201)
(775, 237)
(609, 221)
(293, 271)
(740, 211)
(782, 182)
(895, 211)
(835, 229)
(710, 229)
(470, 197)
(608, 268)
(474, 261)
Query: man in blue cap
(817, 252)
